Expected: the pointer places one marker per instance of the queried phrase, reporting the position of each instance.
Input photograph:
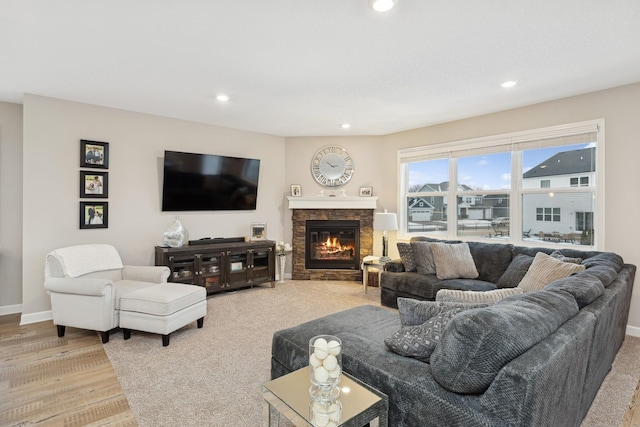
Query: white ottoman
(162, 309)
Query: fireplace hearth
(332, 244)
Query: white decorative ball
(320, 342)
(330, 362)
(321, 353)
(334, 412)
(334, 347)
(335, 373)
(314, 361)
(321, 374)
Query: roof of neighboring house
(565, 163)
(442, 187)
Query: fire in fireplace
(332, 244)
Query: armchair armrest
(78, 286)
(146, 273)
(394, 266)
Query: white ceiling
(303, 67)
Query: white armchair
(85, 283)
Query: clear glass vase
(282, 260)
(176, 235)
(325, 413)
(325, 367)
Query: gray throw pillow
(515, 272)
(560, 256)
(415, 312)
(423, 257)
(544, 270)
(406, 255)
(420, 341)
(453, 261)
(489, 297)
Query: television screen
(207, 182)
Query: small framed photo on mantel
(296, 190)
(366, 191)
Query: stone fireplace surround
(337, 209)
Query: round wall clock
(332, 166)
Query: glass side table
(288, 396)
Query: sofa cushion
(423, 257)
(584, 287)
(561, 257)
(414, 312)
(419, 341)
(544, 270)
(515, 272)
(489, 297)
(491, 259)
(478, 343)
(406, 255)
(453, 261)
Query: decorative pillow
(470, 354)
(544, 270)
(560, 256)
(489, 297)
(415, 312)
(423, 257)
(515, 272)
(406, 255)
(420, 341)
(453, 261)
(584, 287)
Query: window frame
(516, 143)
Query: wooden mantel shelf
(330, 202)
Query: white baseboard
(634, 331)
(36, 317)
(10, 309)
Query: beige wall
(52, 129)
(620, 107)
(52, 133)
(10, 207)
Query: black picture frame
(94, 154)
(94, 184)
(91, 209)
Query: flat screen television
(208, 182)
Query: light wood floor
(51, 381)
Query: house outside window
(507, 186)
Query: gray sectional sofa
(534, 359)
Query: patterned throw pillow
(420, 341)
(406, 255)
(515, 272)
(415, 312)
(545, 270)
(490, 297)
(453, 261)
(423, 257)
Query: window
(540, 182)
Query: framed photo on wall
(296, 190)
(94, 154)
(94, 215)
(94, 184)
(258, 231)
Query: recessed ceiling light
(222, 97)
(509, 83)
(382, 5)
(346, 125)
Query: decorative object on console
(385, 222)
(325, 367)
(366, 191)
(296, 190)
(94, 215)
(281, 250)
(332, 166)
(94, 154)
(258, 231)
(176, 235)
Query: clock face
(332, 166)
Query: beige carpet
(213, 376)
